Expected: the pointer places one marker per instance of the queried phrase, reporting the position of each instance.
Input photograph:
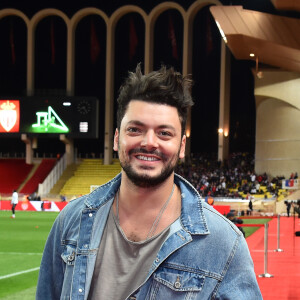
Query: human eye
(165, 134)
(133, 130)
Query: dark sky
(90, 78)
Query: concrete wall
(277, 149)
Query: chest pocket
(175, 285)
(68, 256)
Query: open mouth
(147, 158)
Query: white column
(70, 60)
(109, 96)
(69, 148)
(187, 69)
(30, 61)
(148, 60)
(29, 152)
(224, 110)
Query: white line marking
(20, 253)
(19, 273)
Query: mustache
(144, 151)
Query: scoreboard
(76, 117)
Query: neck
(144, 212)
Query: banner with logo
(34, 205)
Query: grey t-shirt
(122, 265)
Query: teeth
(146, 158)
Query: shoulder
(70, 215)
(218, 223)
(93, 200)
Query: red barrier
(222, 209)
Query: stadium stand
(65, 176)
(90, 172)
(40, 174)
(13, 172)
(235, 179)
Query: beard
(145, 180)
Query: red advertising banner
(9, 115)
(34, 205)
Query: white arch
(13, 12)
(188, 31)
(109, 84)
(188, 50)
(123, 10)
(30, 41)
(48, 12)
(160, 8)
(149, 34)
(198, 5)
(79, 15)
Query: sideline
(20, 253)
(19, 273)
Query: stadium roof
(270, 39)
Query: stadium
(62, 67)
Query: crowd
(233, 179)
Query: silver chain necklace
(158, 217)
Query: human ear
(182, 147)
(116, 140)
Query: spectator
(211, 179)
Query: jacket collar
(103, 193)
(192, 216)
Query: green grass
(250, 230)
(22, 244)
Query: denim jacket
(205, 256)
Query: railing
(51, 179)
(242, 200)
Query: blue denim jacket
(204, 257)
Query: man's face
(149, 142)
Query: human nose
(149, 140)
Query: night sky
(90, 74)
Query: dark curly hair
(164, 86)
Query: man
(146, 234)
(250, 205)
(14, 202)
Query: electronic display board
(75, 117)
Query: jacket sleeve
(51, 273)
(239, 280)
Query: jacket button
(177, 283)
(71, 257)
(90, 215)
(80, 290)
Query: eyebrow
(139, 123)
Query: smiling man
(146, 234)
